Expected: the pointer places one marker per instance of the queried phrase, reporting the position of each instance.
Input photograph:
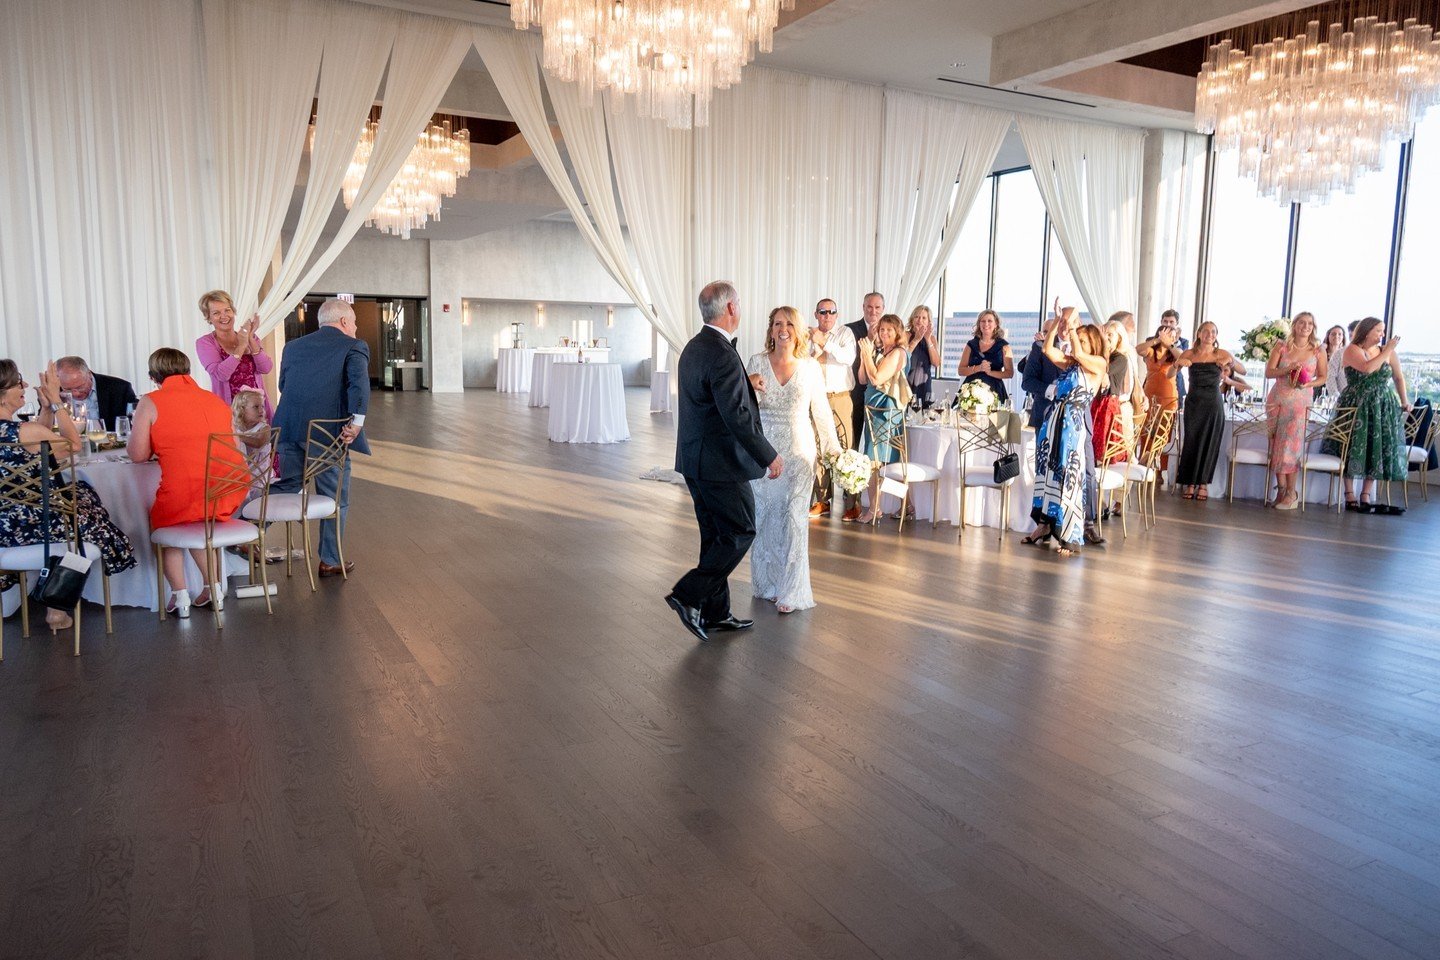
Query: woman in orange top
(174, 424)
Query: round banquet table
(512, 369)
(939, 446)
(587, 403)
(128, 490)
(545, 357)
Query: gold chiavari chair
(887, 428)
(227, 473)
(1419, 445)
(22, 490)
(998, 433)
(1242, 454)
(325, 449)
(1337, 430)
(1145, 468)
(1113, 473)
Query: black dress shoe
(731, 622)
(689, 617)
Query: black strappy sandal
(1037, 537)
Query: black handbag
(61, 580)
(1007, 467)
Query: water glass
(122, 429)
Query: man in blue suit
(324, 376)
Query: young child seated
(248, 410)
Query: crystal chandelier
(440, 157)
(669, 55)
(1312, 111)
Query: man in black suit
(105, 398)
(874, 308)
(719, 449)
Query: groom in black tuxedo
(719, 449)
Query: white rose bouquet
(1257, 342)
(976, 397)
(852, 469)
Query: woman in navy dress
(924, 354)
(987, 356)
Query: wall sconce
(610, 317)
(464, 313)
(539, 314)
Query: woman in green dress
(1375, 387)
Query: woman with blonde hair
(925, 353)
(234, 357)
(1297, 365)
(987, 356)
(883, 364)
(1204, 410)
(790, 392)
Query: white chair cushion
(904, 472)
(191, 536)
(32, 556)
(1112, 478)
(982, 477)
(1139, 473)
(1419, 454)
(1323, 462)
(286, 507)
(1251, 455)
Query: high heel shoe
(209, 597)
(1040, 535)
(1093, 538)
(58, 620)
(179, 605)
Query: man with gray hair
(324, 376)
(719, 449)
(104, 398)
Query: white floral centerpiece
(1257, 342)
(851, 469)
(976, 398)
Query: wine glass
(96, 433)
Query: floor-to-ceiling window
(1416, 320)
(1249, 239)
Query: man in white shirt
(833, 345)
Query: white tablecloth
(546, 356)
(128, 490)
(939, 446)
(660, 391)
(587, 403)
(512, 369)
(1249, 477)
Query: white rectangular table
(587, 403)
(512, 369)
(546, 356)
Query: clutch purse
(1007, 467)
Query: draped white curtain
(103, 248)
(424, 53)
(937, 155)
(260, 66)
(513, 60)
(653, 174)
(1090, 178)
(1170, 224)
(786, 193)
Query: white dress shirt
(837, 358)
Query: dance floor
(1218, 738)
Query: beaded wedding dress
(791, 414)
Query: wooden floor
(1219, 738)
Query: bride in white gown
(793, 411)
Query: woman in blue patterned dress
(1064, 503)
(22, 526)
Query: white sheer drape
(1174, 183)
(103, 243)
(1090, 176)
(423, 59)
(653, 174)
(260, 66)
(937, 154)
(786, 193)
(513, 60)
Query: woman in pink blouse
(234, 358)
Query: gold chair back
(325, 448)
(887, 428)
(24, 489)
(1338, 430)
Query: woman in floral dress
(1297, 365)
(1375, 387)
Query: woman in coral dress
(174, 423)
